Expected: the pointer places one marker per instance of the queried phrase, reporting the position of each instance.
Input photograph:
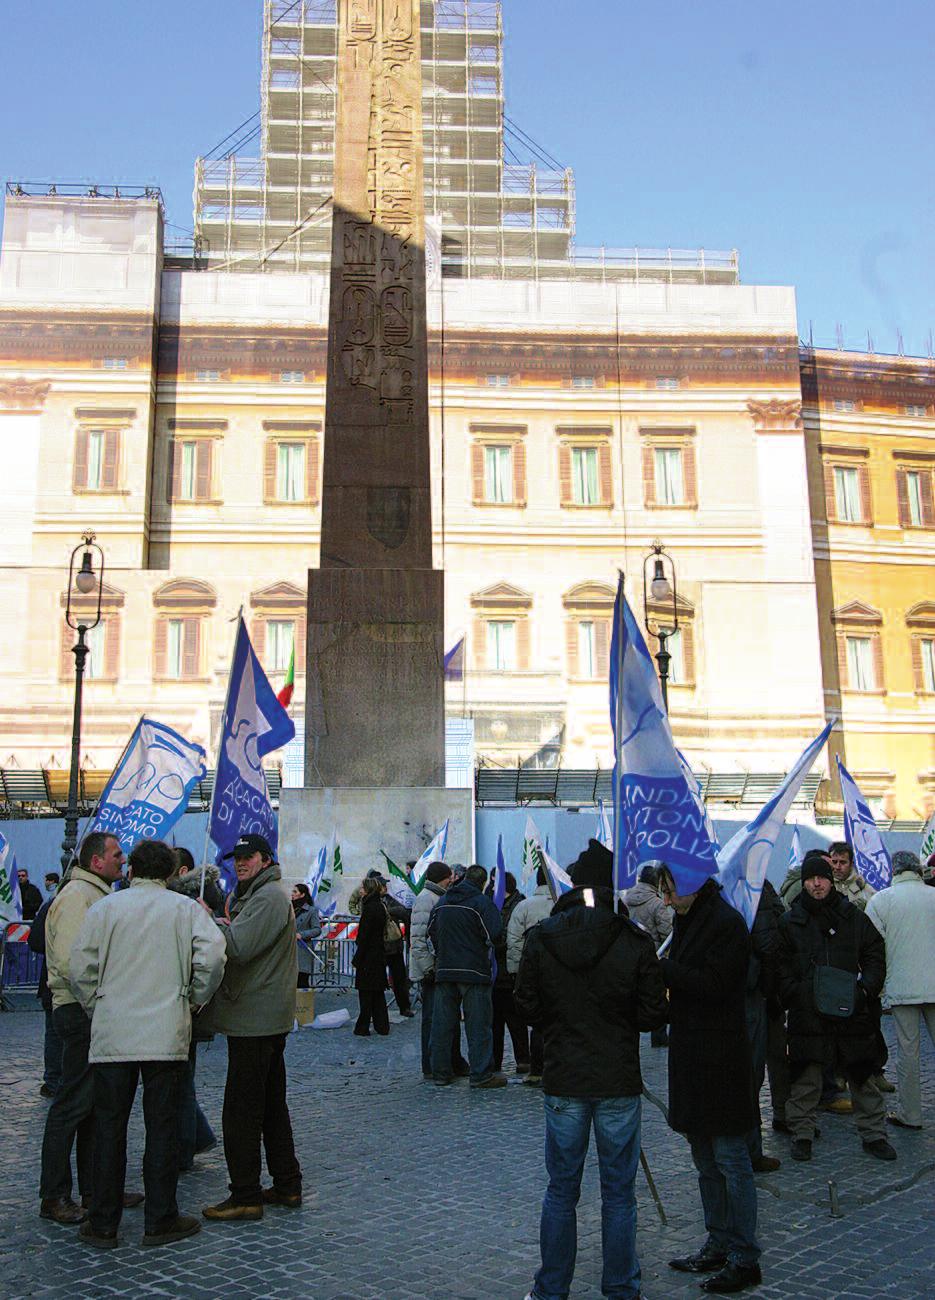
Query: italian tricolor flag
(285, 695)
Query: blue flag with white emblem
(150, 787)
(743, 861)
(499, 888)
(254, 725)
(871, 859)
(658, 809)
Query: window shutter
(843, 677)
(564, 475)
(522, 644)
(928, 505)
(311, 471)
(270, 455)
(519, 473)
(173, 472)
(300, 623)
(191, 646)
(688, 653)
(605, 470)
(602, 647)
(649, 476)
(902, 497)
(571, 645)
(877, 646)
(918, 672)
(831, 508)
(866, 503)
(79, 480)
(160, 647)
(479, 649)
(477, 474)
(690, 473)
(110, 468)
(203, 452)
(258, 638)
(112, 649)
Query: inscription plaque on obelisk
(375, 709)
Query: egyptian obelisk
(375, 702)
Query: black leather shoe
(703, 1261)
(881, 1149)
(801, 1149)
(733, 1277)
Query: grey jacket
(525, 915)
(421, 956)
(647, 909)
(257, 996)
(307, 930)
(143, 958)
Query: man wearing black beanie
(833, 1020)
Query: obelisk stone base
(375, 713)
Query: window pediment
(279, 596)
(502, 595)
(922, 615)
(185, 593)
(857, 612)
(590, 596)
(111, 599)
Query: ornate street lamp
(85, 582)
(659, 591)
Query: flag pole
(618, 740)
(214, 788)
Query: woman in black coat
(370, 962)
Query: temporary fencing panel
(19, 967)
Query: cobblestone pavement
(430, 1194)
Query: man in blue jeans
(590, 981)
(711, 1090)
(462, 930)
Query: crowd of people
(573, 981)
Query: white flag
(928, 840)
(434, 853)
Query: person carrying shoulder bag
(832, 965)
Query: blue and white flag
(605, 833)
(316, 873)
(11, 899)
(562, 882)
(743, 861)
(871, 860)
(499, 888)
(795, 848)
(254, 724)
(328, 910)
(150, 788)
(658, 812)
(434, 853)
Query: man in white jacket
(143, 959)
(905, 916)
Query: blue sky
(799, 133)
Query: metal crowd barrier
(333, 953)
(19, 967)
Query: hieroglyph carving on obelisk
(376, 505)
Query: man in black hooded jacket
(590, 981)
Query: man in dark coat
(823, 928)
(505, 1014)
(370, 960)
(30, 897)
(462, 931)
(589, 979)
(711, 1078)
(766, 1022)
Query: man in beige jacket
(142, 960)
(100, 863)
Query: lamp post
(85, 582)
(660, 590)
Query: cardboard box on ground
(305, 1006)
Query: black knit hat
(816, 864)
(594, 869)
